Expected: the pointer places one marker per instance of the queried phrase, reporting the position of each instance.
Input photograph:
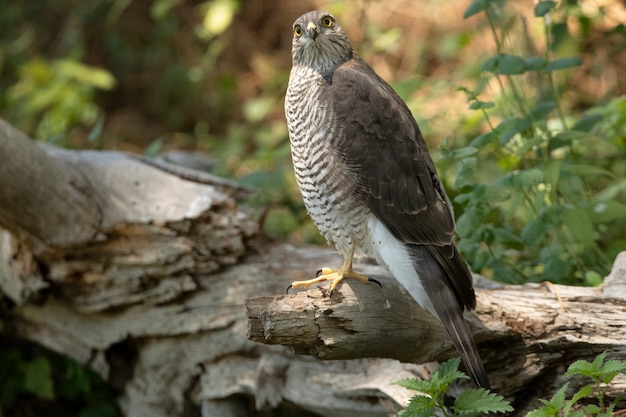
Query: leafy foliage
(51, 98)
(537, 205)
(28, 372)
(431, 392)
(601, 372)
(472, 402)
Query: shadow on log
(154, 276)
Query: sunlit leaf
(256, 110)
(419, 406)
(86, 74)
(481, 401)
(219, 15)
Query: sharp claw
(318, 273)
(375, 281)
(288, 288)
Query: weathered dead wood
(526, 334)
(144, 280)
(144, 275)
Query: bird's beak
(311, 29)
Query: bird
(368, 181)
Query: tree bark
(141, 271)
(527, 335)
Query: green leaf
(491, 64)
(446, 373)
(556, 269)
(419, 406)
(610, 369)
(465, 175)
(481, 105)
(585, 368)
(464, 152)
(534, 231)
(38, 378)
(585, 170)
(153, 149)
(511, 64)
(480, 401)
(593, 279)
(257, 109)
(563, 63)
(582, 393)
(496, 193)
(476, 7)
(543, 7)
(579, 224)
(541, 110)
(505, 236)
(557, 402)
(528, 178)
(414, 384)
(219, 15)
(519, 125)
(612, 191)
(535, 63)
(587, 122)
(591, 410)
(484, 139)
(466, 222)
(606, 212)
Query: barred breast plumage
(328, 194)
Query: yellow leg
(335, 276)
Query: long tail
(435, 266)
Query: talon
(288, 288)
(375, 281)
(335, 276)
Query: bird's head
(319, 42)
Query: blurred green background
(522, 103)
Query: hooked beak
(311, 29)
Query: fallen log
(141, 272)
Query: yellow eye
(327, 21)
(297, 31)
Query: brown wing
(392, 168)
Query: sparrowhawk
(368, 181)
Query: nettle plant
(601, 372)
(430, 397)
(539, 196)
(588, 400)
